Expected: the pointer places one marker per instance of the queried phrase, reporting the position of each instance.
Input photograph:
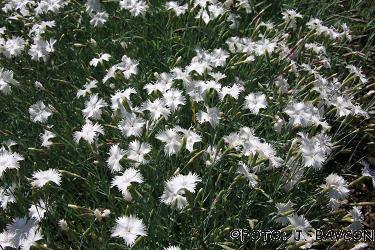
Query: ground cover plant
(179, 124)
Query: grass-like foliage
(167, 125)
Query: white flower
(137, 152)
(131, 125)
(120, 96)
(163, 84)
(99, 215)
(7, 196)
(315, 149)
(283, 208)
(282, 84)
(357, 72)
(127, 66)
(37, 211)
(89, 132)
(93, 6)
(264, 45)
(13, 47)
(39, 29)
(32, 237)
(41, 178)
(135, 7)
(41, 49)
(343, 106)
(318, 49)
(241, 45)
(45, 138)
(233, 91)
(213, 154)
(63, 225)
(357, 110)
(172, 248)
(180, 74)
(244, 170)
(194, 90)
(209, 10)
(269, 25)
(110, 73)
(39, 112)
(302, 114)
(102, 57)
(217, 76)
(279, 123)
(191, 138)
(178, 9)
(216, 9)
(251, 145)
(93, 107)
(233, 140)
(316, 24)
(212, 116)
(115, 155)
(20, 230)
(359, 246)
(334, 203)
(290, 17)
(16, 6)
(173, 98)
(54, 6)
(9, 143)
(99, 19)
(123, 182)
(215, 58)
(157, 108)
(6, 81)
(301, 225)
(162, 87)
(244, 4)
(176, 187)
(200, 67)
(346, 31)
(218, 57)
(337, 186)
(255, 102)
(209, 60)
(6, 239)
(203, 14)
(366, 171)
(357, 219)
(9, 160)
(129, 228)
(87, 88)
(171, 139)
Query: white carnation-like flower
(39, 112)
(9, 160)
(175, 188)
(41, 178)
(129, 228)
(123, 182)
(89, 132)
(115, 156)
